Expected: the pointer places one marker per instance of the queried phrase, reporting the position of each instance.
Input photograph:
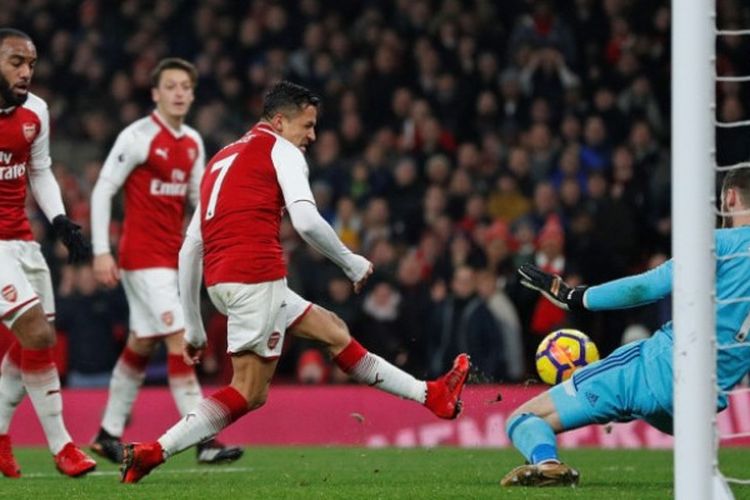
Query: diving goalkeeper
(635, 381)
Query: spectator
(95, 324)
(429, 108)
(461, 322)
(505, 314)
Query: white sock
(213, 414)
(370, 369)
(186, 390)
(127, 378)
(12, 390)
(39, 375)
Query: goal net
(694, 209)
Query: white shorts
(154, 301)
(24, 280)
(296, 308)
(256, 315)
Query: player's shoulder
(732, 237)
(192, 133)
(36, 104)
(285, 145)
(284, 148)
(141, 128)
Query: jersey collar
(161, 121)
(266, 127)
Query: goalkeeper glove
(79, 249)
(553, 287)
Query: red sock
(184, 385)
(134, 360)
(350, 356)
(37, 360)
(14, 353)
(231, 399)
(176, 366)
(42, 383)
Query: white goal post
(696, 473)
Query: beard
(9, 97)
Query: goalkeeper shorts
(613, 389)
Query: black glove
(79, 249)
(553, 287)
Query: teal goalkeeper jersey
(732, 282)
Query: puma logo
(52, 391)
(377, 380)
(163, 152)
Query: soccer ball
(561, 353)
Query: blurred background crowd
(458, 139)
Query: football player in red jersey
(159, 160)
(234, 238)
(26, 299)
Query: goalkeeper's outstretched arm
(622, 293)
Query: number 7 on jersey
(223, 167)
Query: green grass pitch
(349, 473)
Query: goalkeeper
(635, 381)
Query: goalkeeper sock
(42, 382)
(213, 414)
(183, 383)
(127, 378)
(367, 368)
(12, 390)
(533, 437)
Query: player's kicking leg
(442, 396)
(532, 429)
(247, 391)
(39, 378)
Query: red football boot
(444, 394)
(73, 462)
(139, 459)
(8, 465)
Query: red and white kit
(159, 168)
(24, 156)
(245, 188)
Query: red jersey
(159, 167)
(24, 145)
(243, 192)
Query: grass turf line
(348, 473)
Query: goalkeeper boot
(139, 459)
(107, 446)
(213, 452)
(444, 394)
(8, 465)
(73, 462)
(545, 474)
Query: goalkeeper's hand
(79, 249)
(553, 287)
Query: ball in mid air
(562, 352)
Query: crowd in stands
(456, 141)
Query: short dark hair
(286, 97)
(174, 63)
(739, 179)
(13, 33)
